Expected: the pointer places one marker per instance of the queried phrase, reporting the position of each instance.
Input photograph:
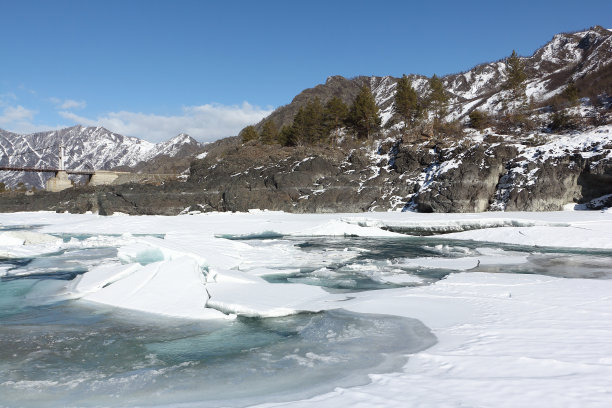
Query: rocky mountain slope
(88, 148)
(577, 56)
(479, 172)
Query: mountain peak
(566, 57)
(92, 147)
(334, 78)
(180, 139)
(184, 137)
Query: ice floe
(173, 288)
(504, 339)
(21, 244)
(236, 292)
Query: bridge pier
(104, 177)
(59, 182)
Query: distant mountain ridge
(85, 148)
(578, 56)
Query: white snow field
(504, 340)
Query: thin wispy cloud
(17, 113)
(19, 119)
(205, 122)
(7, 98)
(68, 103)
(24, 88)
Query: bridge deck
(49, 170)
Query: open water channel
(57, 351)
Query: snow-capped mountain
(175, 145)
(85, 148)
(568, 56)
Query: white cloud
(24, 88)
(18, 113)
(18, 119)
(205, 123)
(7, 98)
(68, 103)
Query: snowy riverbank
(504, 339)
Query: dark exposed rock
(600, 203)
(556, 185)
(411, 159)
(561, 181)
(469, 183)
(456, 176)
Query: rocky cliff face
(570, 168)
(478, 172)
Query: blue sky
(153, 69)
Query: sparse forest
(426, 113)
(318, 123)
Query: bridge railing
(46, 170)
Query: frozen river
(328, 310)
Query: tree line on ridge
(319, 123)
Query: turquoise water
(55, 351)
(380, 258)
(65, 355)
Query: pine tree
(309, 125)
(298, 133)
(406, 101)
(438, 99)
(249, 133)
(336, 114)
(516, 77)
(478, 119)
(285, 135)
(571, 93)
(363, 116)
(314, 121)
(269, 132)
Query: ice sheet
(173, 288)
(589, 229)
(235, 292)
(26, 238)
(457, 264)
(505, 340)
(579, 235)
(479, 257)
(23, 244)
(168, 276)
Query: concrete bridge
(60, 180)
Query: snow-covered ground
(503, 339)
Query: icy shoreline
(472, 226)
(504, 339)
